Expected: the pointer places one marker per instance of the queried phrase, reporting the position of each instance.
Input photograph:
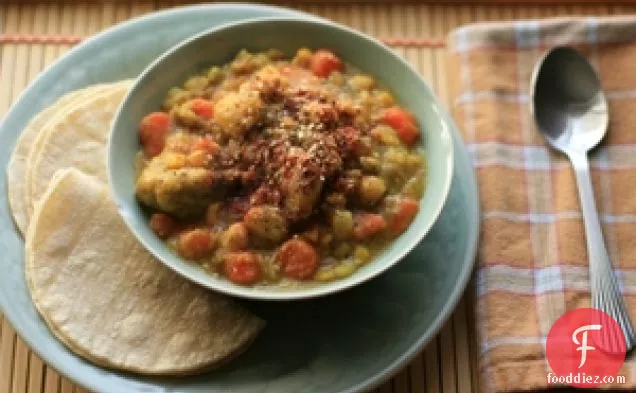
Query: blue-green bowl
(218, 46)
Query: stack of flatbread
(99, 291)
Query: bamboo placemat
(33, 35)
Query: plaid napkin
(532, 263)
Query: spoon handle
(605, 290)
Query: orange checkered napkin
(532, 263)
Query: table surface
(448, 364)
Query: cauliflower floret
(237, 112)
(181, 192)
(268, 81)
(266, 222)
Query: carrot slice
(404, 214)
(298, 259)
(324, 62)
(404, 124)
(163, 225)
(243, 268)
(196, 243)
(152, 132)
(367, 225)
(202, 108)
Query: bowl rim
(285, 294)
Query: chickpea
(176, 96)
(244, 63)
(266, 222)
(336, 78)
(235, 237)
(184, 114)
(362, 82)
(196, 83)
(372, 189)
(361, 254)
(384, 99)
(215, 74)
(385, 135)
(302, 58)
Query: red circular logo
(585, 348)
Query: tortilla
(110, 301)
(16, 169)
(78, 139)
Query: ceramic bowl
(218, 46)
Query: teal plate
(348, 342)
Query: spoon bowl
(568, 103)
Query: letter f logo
(584, 347)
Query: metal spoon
(570, 110)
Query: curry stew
(275, 171)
